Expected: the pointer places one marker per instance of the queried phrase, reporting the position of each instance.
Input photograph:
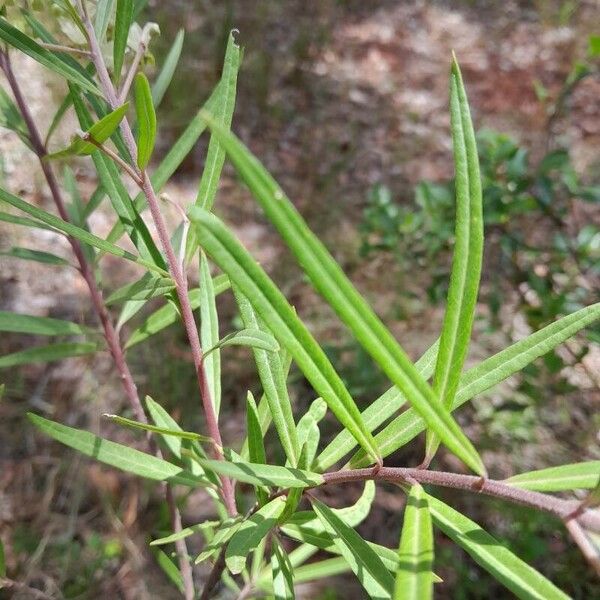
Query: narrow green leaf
(47, 353)
(584, 475)
(169, 568)
(164, 420)
(468, 254)
(146, 117)
(223, 115)
(167, 315)
(104, 12)
(223, 534)
(110, 179)
(123, 21)
(249, 535)
(306, 526)
(322, 569)
(36, 256)
(209, 333)
(414, 580)
(271, 374)
(185, 532)
(270, 305)
(148, 286)
(19, 323)
(256, 446)
(363, 561)
(252, 338)
(24, 221)
(521, 579)
(17, 39)
(99, 132)
(485, 375)
(215, 157)
(11, 118)
(119, 456)
(269, 475)
(76, 232)
(331, 282)
(375, 414)
(174, 157)
(186, 435)
(165, 76)
(283, 572)
(308, 430)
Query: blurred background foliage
(345, 101)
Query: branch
(176, 271)
(563, 509)
(110, 334)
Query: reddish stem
(176, 271)
(110, 334)
(563, 509)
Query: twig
(66, 49)
(131, 73)
(179, 277)
(114, 157)
(563, 509)
(110, 334)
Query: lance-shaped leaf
(223, 114)
(485, 375)
(275, 311)
(161, 83)
(185, 532)
(414, 580)
(306, 526)
(215, 156)
(209, 333)
(363, 561)
(308, 430)
(168, 314)
(521, 579)
(36, 256)
(256, 446)
(272, 378)
(468, 254)
(169, 568)
(123, 21)
(148, 286)
(24, 221)
(76, 232)
(11, 118)
(17, 39)
(186, 435)
(252, 338)
(222, 535)
(330, 281)
(375, 414)
(99, 132)
(175, 156)
(250, 534)
(119, 456)
(584, 475)
(111, 181)
(47, 353)
(146, 118)
(283, 572)
(164, 420)
(269, 475)
(102, 19)
(19, 323)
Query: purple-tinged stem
(110, 334)
(177, 272)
